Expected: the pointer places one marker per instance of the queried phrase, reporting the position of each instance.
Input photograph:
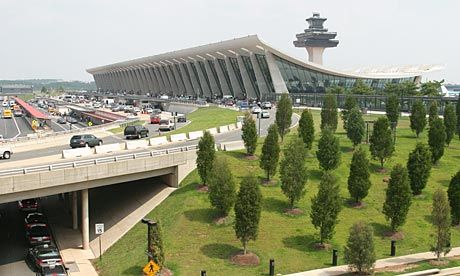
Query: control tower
(316, 38)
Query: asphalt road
(14, 127)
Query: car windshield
(130, 128)
(48, 253)
(164, 122)
(28, 201)
(76, 137)
(54, 270)
(35, 216)
(39, 231)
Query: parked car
(181, 119)
(28, 205)
(44, 256)
(71, 120)
(264, 114)
(155, 119)
(34, 218)
(167, 124)
(61, 120)
(38, 234)
(84, 140)
(267, 105)
(256, 110)
(52, 270)
(156, 111)
(136, 132)
(5, 151)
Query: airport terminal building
(244, 67)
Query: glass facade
(223, 67)
(252, 76)
(214, 74)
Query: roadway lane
(23, 125)
(13, 247)
(8, 128)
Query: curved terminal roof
(252, 43)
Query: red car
(37, 234)
(28, 205)
(155, 119)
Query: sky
(62, 38)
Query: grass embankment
(193, 242)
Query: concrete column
(172, 81)
(315, 54)
(237, 89)
(138, 80)
(263, 88)
(144, 85)
(130, 80)
(97, 81)
(164, 76)
(277, 78)
(156, 86)
(119, 80)
(113, 83)
(202, 78)
(215, 89)
(221, 78)
(250, 91)
(85, 218)
(187, 83)
(148, 78)
(180, 83)
(74, 211)
(196, 85)
(160, 79)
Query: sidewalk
(382, 263)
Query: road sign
(90, 123)
(151, 268)
(99, 228)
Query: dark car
(71, 120)
(181, 119)
(28, 205)
(85, 140)
(44, 256)
(38, 234)
(52, 270)
(34, 218)
(136, 132)
(61, 120)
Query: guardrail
(95, 161)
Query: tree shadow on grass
(275, 205)
(187, 188)
(236, 154)
(219, 250)
(303, 243)
(380, 229)
(133, 270)
(204, 215)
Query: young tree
(431, 88)
(222, 187)
(326, 206)
(359, 179)
(457, 112)
(454, 198)
(293, 171)
(409, 88)
(419, 167)
(398, 197)
(44, 90)
(270, 152)
(359, 251)
(350, 103)
(156, 244)
(284, 114)
(205, 156)
(436, 139)
(355, 126)
(248, 207)
(418, 117)
(249, 134)
(450, 122)
(307, 128)
(381, 142)
(440, 216)
(328, 153)
(432, 112)
(360, 88)
(392, 109)
(329, 113)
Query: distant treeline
(52, 84)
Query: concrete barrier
(213, 130)
(137, 144)
(223, 129)
(231, 127)
(239, 125)
(178, 137)
(158, 141)
(235, 145)
(78, 152)
(195, 134)
(109, 148)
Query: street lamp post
(259, 116)
(150, 223)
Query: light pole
(259, 116)
(150, 223)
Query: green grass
(26, 97)
(208, 117)
(193, 242)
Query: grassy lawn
(193, 242)
(208, 117)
